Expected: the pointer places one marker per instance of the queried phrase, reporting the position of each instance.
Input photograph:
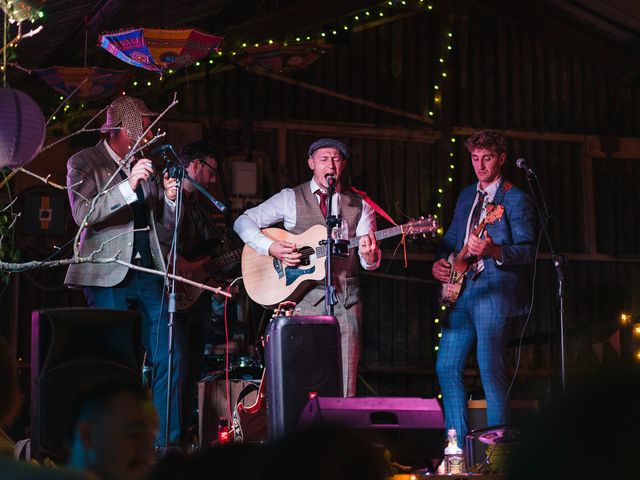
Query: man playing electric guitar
(496, 287)
(305, 206)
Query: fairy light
(636, 330)
(625, 318)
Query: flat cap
(330, 143)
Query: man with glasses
(198, 238)
(304, 206)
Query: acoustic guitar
(268, 281)
(461, 263)
(201, 271)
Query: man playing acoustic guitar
(496, 255)
(303, 207)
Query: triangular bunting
(597, 349)
(615, 341)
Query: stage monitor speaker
(412, 429)
(70, 349)
(303, 358)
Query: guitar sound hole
(305, 259)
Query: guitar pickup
(277, 266)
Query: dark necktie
(477, 211)
(323, 202)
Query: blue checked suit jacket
(509, 283)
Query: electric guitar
(268, 281)
(249, 422)
(461, 263)
(201, 271)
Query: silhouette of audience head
(591, 432)
(113, 429)
(323, 453)
(10, 398)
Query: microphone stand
(178, 171)
(557, 260)
(329, 290)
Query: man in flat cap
(305, 206)
(128, 200)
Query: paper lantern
(22, 128)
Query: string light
(625, 318)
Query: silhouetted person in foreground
(114, 425)
(589, 433)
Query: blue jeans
(474, 318)
(148, 291)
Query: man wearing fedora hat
(305, 206)
(131, 216)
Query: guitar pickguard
(293, 273)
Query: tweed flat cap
(329, 143)
(127, 112)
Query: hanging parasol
(159, 50)
(280, 58)
(94, 82)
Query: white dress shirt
(490, 191)
(281, 207)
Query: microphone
(522, 163)
(331, 181)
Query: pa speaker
(412, 429)
(70, 349)
(303, 359)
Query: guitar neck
(321, 251)
(224, 259)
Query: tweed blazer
(111, 222)
(516, 233)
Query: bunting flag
(281, 58)
(159, 50)
(615, 342)
(575, 344)
(597, 349)
(100, 82)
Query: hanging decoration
(22, 128)
(159, 50)
(20, 10)
(282, 57)
(94, 82)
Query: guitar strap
(504, 188)
(380, 211)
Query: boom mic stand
(557, 260)
(334, 247)
(178, 171)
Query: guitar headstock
(422, 225)
(494, 213)
(284, 309)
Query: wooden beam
(574, 257)
(341, 96)
(355, 130)
(528, 135)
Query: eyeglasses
(213, 169)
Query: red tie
(323, 202)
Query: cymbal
(22, 128)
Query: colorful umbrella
(100, 82)
(281, 58)
(159, 50)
